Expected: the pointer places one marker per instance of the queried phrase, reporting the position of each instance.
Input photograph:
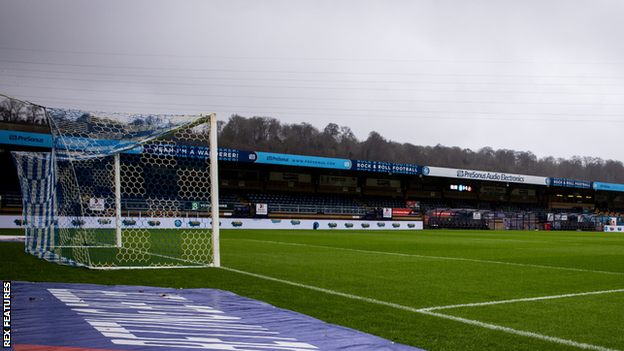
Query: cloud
(540, 76)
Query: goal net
(123, 191)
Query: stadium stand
(304, 192)
(11, 199)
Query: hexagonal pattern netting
(121, 191)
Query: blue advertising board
(45, 141)
(570, 183)
(25, 139)
(302, 161)
(359, 165)
(608, 186)
(176, 150)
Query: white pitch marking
(438, 257)
(427, 311)
(519, 332)
(332, 292)
(521, 300)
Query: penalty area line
(517, 332)
(427, 311)
(327, 291)
(528, 299)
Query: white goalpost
(123, 191)
(214, 194)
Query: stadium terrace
(310, 188)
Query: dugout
(456, 219)
(576, 222)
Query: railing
(284, 208)
(182, 205)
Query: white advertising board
(225, 223)
(480, 175)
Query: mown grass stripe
(436, 257)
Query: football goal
(123, 191)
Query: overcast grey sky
(541, 76)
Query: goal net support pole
(117, 200)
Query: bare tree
(268, 134)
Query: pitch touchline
(427, 311)
(438, 257)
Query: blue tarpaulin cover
(148, 318)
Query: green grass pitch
(142, 247)
(437, 290)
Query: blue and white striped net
(38, 181)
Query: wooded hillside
(270, 135)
